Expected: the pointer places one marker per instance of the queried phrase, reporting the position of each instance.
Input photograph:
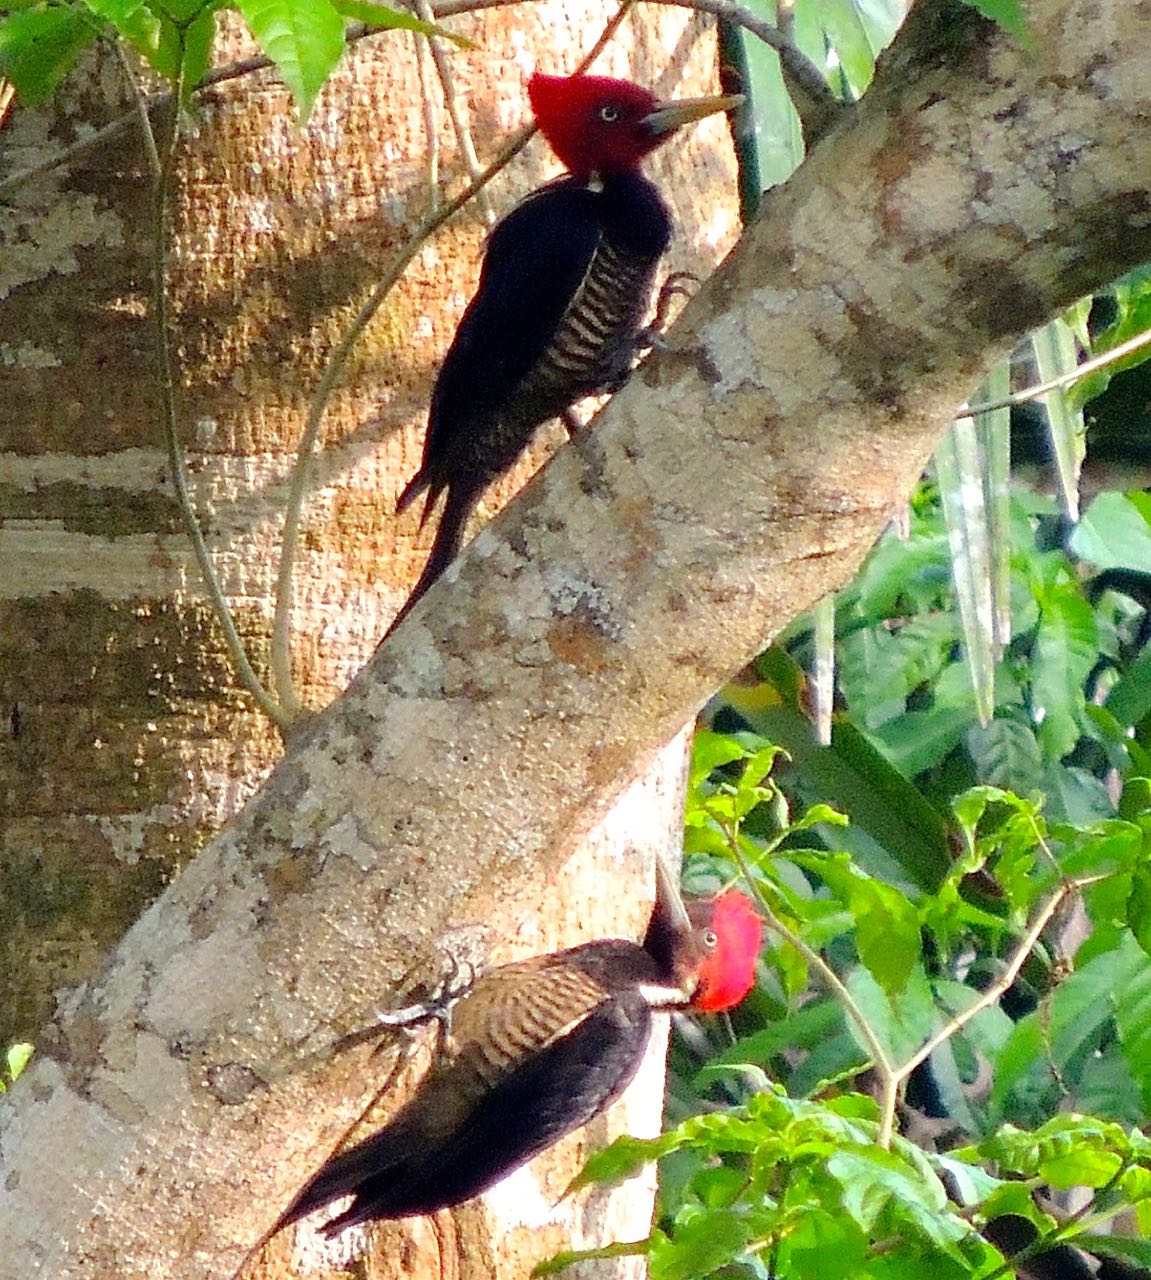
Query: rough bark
(976, 190)
(129, 743)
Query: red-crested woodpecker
(537, 1048)
(564, 289)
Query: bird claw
(457, 981)
(676, 284)
(573, 423)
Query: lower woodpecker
(537, 1048)
(564, 289)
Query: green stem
(162, 166)
(830, 978)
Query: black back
(535, 260)
(533, 340)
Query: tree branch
(745, 470)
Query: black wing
(398, 1171)
(535, 261)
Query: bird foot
(675, 285)
(574, 425)
(457, 981)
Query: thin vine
(162, 162)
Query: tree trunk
(129, 738)
(975, 191)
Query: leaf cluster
(304, 39)
(916, 1068)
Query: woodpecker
(564, 288)
(537, 1048)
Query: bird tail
(419, 483)
(445, 548)
(377, 1157)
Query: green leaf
(1069, 1032)
(1108, 846)
(17, 1058)
(1114, 533)
(821, 1243)
(703, 1244)
(180, 13)
(38, 47)
(907, 839)
(569, 1257)
(848, 38)
(620, 1160)
(1008, 14)
(153, 36)
(919, 740)
(886, 923)
(1066, 1151)
(871, 1177)
(381, 18)
(1107, 1088)
(777, 142)
(972, 1183)
(900, 1025)
(902, 574)
(118, 12)
(894, 663)
(304, 38)
(1085, 1001)
(197, 50)
(1006, 754)
(1130, 698)
(1128, 1248)
(809, 1026)
(1065, 650)
(1022, 1074)
(989, 1030)
(1132, 295)
(711, 751)
(832, 1061)
(1139, 906)
(1133, 1018)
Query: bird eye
(710, 939)
(609, 114)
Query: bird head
(706, 949)
(598, 125)
(729, 936)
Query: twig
(1001, 984)
(891, 1077)
(828, 975)
(1065, 379)
(797, 66)
(431, 124)
(281, 658)
(816, 105)
(161, 166)
(463, 131)
(987, 998)
(281, 653)
(154, 103)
